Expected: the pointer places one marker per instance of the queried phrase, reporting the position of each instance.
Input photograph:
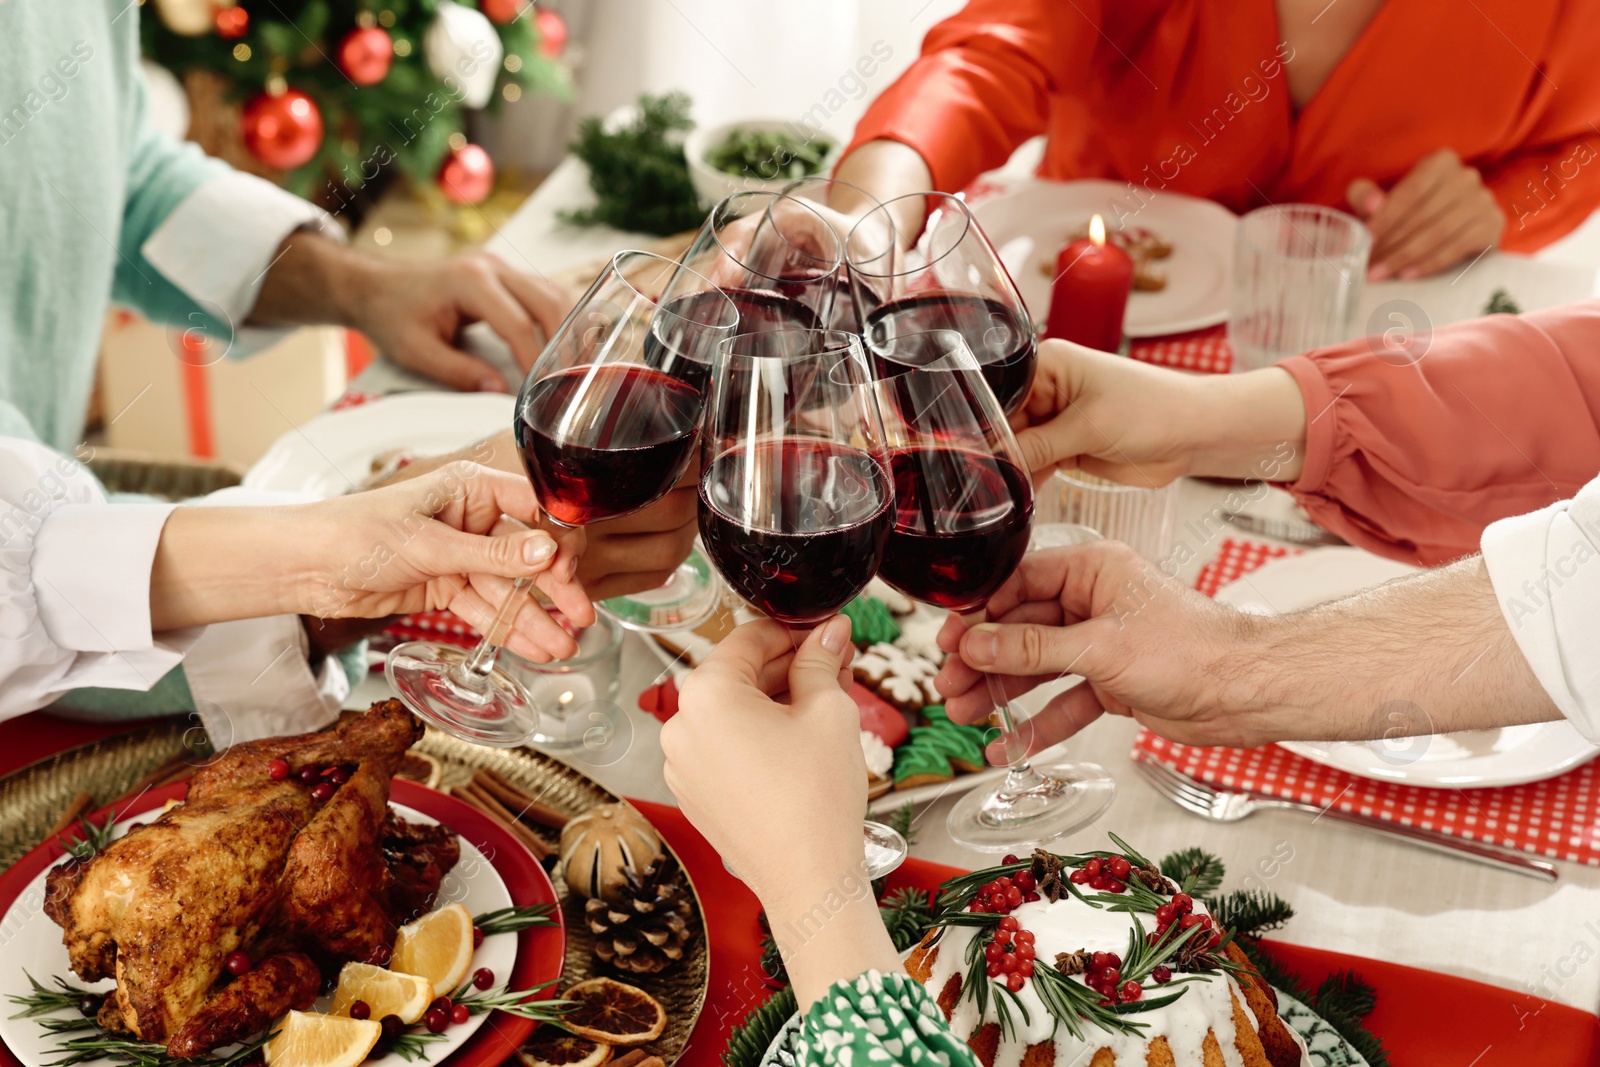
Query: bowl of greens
(755, 154)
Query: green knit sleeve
(879, 1019)
(162, 172)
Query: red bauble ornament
(232, 22)
(365, 55)
(552, 33)
(502, 11)
(467, 175)
(282, 131)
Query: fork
(1215, 805)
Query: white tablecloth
(1353, 892)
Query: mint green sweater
(84, 181)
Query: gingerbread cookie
(916, 765)
(870, 622)
(903, 679)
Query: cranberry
(322, 791)
(1025, 968)
(437, 1021)
(392, 1027)
(360, 1009)
(1165, 914)
(1093, 867)
(1183, 902)
(1025, 952)
(1189, 921)
(1162, 974)
(309, 775)
(1110, 976)
(1001, 885)
(1023, 937)
(1099, 961)
(1078, 877)
(1115, 886)
(90, 1005)
(1215, 942)
(1120, 867)
(379, 956)
(483, 978)
(477, 937)
(993, 951)
(1009, 924)
(1024, 881)
(278, 770)
(1008, 963)
(1002, 937)
(338, 776)
(994, 969)
(1030, 898)
(1013, 897)
(1009, 858)
(1106, 1002)
(1131, 991)
(237, 963)
(1097, 881)
(443, 1004)
(459, 1014)
(1014, 983)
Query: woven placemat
(33, 798)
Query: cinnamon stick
(519, 802)
(493, 809)
(80, 806)
(634, 1057)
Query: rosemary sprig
(133, 1053)
(93, 840)
(412, 1044)
(511, 920)
(521, 1002)
(42, 1000)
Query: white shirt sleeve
(219, 242)
(74, 583)
(1545, 567)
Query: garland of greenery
(1343, 1000)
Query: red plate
(541, 950)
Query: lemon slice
(385, 992)
(437, 947)
(308, 1040)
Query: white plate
(1030, 224)
(1473, 758)
(332, 454)
(33, 942)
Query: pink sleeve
(1412, 460)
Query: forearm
(1427, 654)
(216, 564)
(1246, 426)
(315, 280)
(823, 942)
(883, 170)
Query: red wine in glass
(760, 311)
(639, 428)
(1002, 342)
(814, 538)
(961, 522)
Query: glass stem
(477, 666)
(1021, 776)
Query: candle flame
(1097, 231)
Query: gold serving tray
(32, 798)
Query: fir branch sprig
(749, 1040)
(512, 920)
(93, 840)
(1250, 912)
(1337, 1013)
(907, 912)
(1197, 872)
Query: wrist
(217, 564)
(1250, 425)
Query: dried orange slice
(437, 947)
(551, 1047)
(385, 992)
(308, 1040)
(614, 1012)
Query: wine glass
(830, 192)
(606, 422)
(949, 278)
(795, 497)
(775, 257)
(963, 505)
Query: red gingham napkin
(1202, 350)
(1558, 817)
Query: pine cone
(643, 929)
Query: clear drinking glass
(1139, 516)
(607, 421)
(1298, 270)
(963, 507)
(949, 278)
(795, 497)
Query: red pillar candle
(1090, 294)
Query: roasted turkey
(254, 864)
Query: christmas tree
(334, 92)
